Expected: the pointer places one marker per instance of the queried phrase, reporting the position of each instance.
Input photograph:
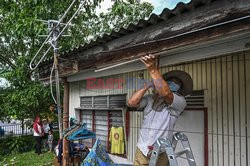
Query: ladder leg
(155, 153)
(186, 146)
(163, 145)
(170, 153)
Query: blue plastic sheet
(98, 156)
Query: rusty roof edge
(164, 33)
(162, 16)
(123, 48)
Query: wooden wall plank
(190, 71)
(219, 110)
(209, 106)
(174, 67)
(225, 112)
(204, 74)
(230, 110)
(242, 104)
(214, 113)
(199, 75)
(247, 83)
(236, 108)
(180, 67)
(195, 76)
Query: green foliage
(19, 29)
(11, 144)
(17, 145)
(20, 144)
(25, 98)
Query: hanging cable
(51, 83)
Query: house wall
(226, 82)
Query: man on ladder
(161, 109)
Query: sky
(159, 5)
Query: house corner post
(65, 122)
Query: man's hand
(160, 84)
(149, 61)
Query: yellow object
(116, 137)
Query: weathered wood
(210, 117)
(199, 75)
(225, 111)
(161, 45)
(195, 76)
(242, 103)
(247, 83)
(215, 12)
(236, 109)
(65, 122)
(214, 113)
(155, 36)
(230, 111)
(219, 111)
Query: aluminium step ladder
(165, 145)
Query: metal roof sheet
(142, 23)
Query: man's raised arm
(134, 100)
(160, 84)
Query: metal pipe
(116, 65)
(46, 40)
(79, 8)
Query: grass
(28, 159)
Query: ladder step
(187, 158)
(165, 145)
(177, 154)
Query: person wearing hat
(161, 109)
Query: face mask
(173, 86)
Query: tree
(20, 28)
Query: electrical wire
(174, 130)
(51, 83)
(192, 132)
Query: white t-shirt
(158, 122)
(46, 128)
(39, 129)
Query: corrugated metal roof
(152, 20)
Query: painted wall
(226, 81)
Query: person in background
(50, 140)
(38, 133)
(50, 124)
(46, 129)
(2, 132)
